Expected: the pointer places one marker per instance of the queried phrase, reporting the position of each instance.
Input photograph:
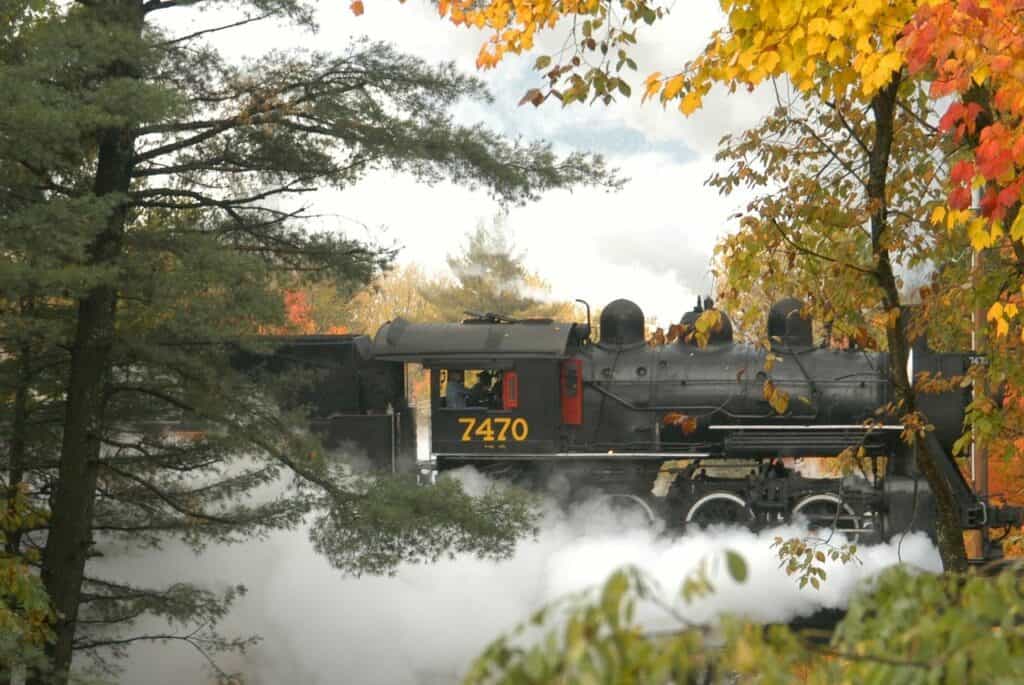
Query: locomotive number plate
(496, 429)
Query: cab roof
(428, 343)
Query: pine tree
(150, 200)
(491, 278)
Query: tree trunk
(70, 531)
(19, 442)
(950, 531)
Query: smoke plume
(427, 622)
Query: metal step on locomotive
(684, 431)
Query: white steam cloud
(426, 623)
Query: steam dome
(622, 323)
(785, 324)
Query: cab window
(471, 389)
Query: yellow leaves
(877, 69)
(690, 103)
(672, 88)
(817, 45)
(835, 46)
(778, 399)
(869, 7)
(1000, 314)
(768, 61)
(652, 85)
(890, 62)
(938, 214)
(978, 234)
(836, 52)
(1017, 228)
(747, 58)
(842, 48)
(981, 75)
(818, 25)
(707, 323)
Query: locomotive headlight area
(687, 434)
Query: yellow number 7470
(494, 429)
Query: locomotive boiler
(684, 431)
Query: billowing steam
(425, 624)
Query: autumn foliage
(973, 52)
(301, 319)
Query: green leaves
(805, 557)
(736, 565)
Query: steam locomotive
(685, 432)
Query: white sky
(650, 242)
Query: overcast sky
(650, 242)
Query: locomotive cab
(503, 405)
(502, 393)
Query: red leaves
(962, 172)
(992, 154)
(961, 44)
(1009, 195)
(960, 197)
(962, 117)
(988, 202)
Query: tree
(853, 56)
(490, 277)
(150, 194)
(397, 292)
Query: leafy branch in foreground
(805, 557)
(904, 626)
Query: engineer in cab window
(455, 393)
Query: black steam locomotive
(682, 431)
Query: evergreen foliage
(491, 278)
(151, 202)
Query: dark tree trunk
(950, 531)
(19, 440)
(70, 530)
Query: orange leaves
(687, 424)
(963, 45)
(357, 7)
(299, 314)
